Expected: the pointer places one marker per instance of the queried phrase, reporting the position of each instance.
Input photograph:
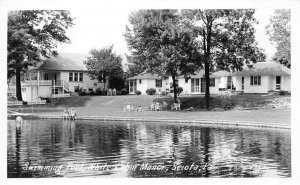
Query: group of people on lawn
(157, 106)
(69, 114)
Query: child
(66, 113)
(139, 109)
(73, 114)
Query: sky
(101, 27)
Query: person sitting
(157, 106)
(139, 109)
(73, 114)
(66, 113)
(164, 105)
(19, 121)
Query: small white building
(56, 77)
(145, 81)
(263, 77)
(219, 82)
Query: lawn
(113, 106)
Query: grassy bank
(113, 106)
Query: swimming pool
(56, 148)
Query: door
(243, 83)
(132, 86)
(195, 85)
(278, 82)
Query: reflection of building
(56, 77)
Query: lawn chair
(152, 107)
(175, 106)
(128, 108)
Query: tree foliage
(32, 36)
(279, 31)
(227, 39)
(160, 43)
(104, 63)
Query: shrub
(151, 91)
(179, 90)
(226, 102)
(82, 93)
(281, 92)
(123, 92)
(138, 92)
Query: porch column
(231, 83)
(281, 83)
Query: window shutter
(251, 80)
(259, 82)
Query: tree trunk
(207, 62)
(104, 88)
(18, 84)
(174, 88)
(207, 84)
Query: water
(56, 148)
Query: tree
(103, 63)
(160, 43)
(227, 39)
(32, 36)
(279, 31)
(116, 81)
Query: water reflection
(55, 148)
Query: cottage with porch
(263, 77)
(220, 81)
(56, 77)
(145, 81)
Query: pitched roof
(264, 68)
(145, 76)
(201, 73)
(63, 62)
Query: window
(186, 80)
(90, 90)
(140, 81)
(75, 77)
(278, 82)
(158, 83)
(212, 82)
(255, 80)
(54, 90)
(46, 76)
(81, 77)
(70, 77)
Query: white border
(6, 5)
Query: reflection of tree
(205, 139)
(18, 150)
